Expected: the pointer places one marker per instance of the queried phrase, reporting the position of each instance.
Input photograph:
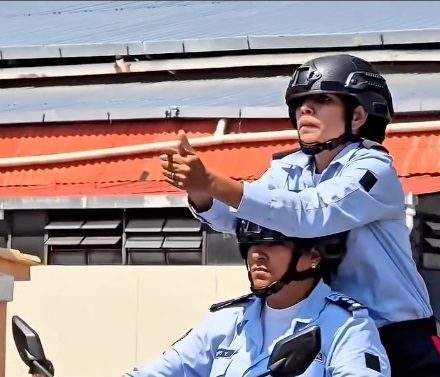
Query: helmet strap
(313, 149)
(292, 274)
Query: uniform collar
(311, 309)
(345, 154)
(302, 160)
(253, 325)
(253, 312)
(314, 304)
(298, 159)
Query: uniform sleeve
(222, 217)
(192, 356)
(168, 365)
(219, 217)
(357, 351)
(368, 189)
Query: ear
(359, 118)
(315, 256)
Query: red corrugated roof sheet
(417, 157)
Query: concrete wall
(98, 321)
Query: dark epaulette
(344, 301)
(183, 336)
(280, 155)
(232, 302)
(370, 144)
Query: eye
(277, 243)
(322, 98)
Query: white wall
(98, 321)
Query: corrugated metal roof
(229, 98)
(416, 155)
(24, 23)
(226, 45)
(177, 65)
(151, 194)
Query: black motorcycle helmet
(331, 248)
(356, 82)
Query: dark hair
(373, 128)
(328, 269)
(331, 256)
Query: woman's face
(320, 117)
(269, 261)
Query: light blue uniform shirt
(378, 270)
(229, 343)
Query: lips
(308, 122)
(260, 269)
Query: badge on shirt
(223, 353)
(320, 357)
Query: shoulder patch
(372, 362)
(232, 302)
(344, 301)
(282, 154)
(368, 180)
(370, 144)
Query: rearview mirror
(291, 356)
(30, 349)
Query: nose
(307, 107)
(256, 253)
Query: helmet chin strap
(292, 274)
(312, 149)
(264, 292)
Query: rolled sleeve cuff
(211, 215)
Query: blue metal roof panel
(27, 23)
(201, 98)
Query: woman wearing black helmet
(341, 179)
(289, 296)
(324, 254)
